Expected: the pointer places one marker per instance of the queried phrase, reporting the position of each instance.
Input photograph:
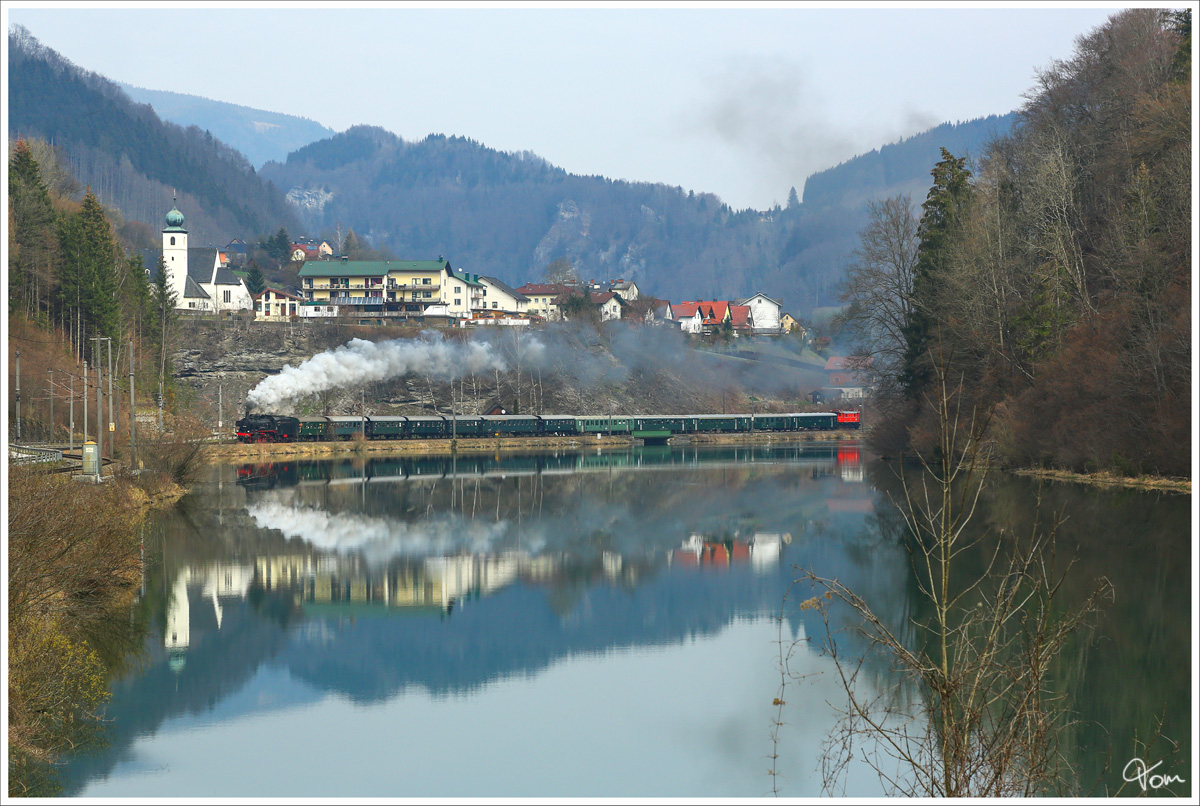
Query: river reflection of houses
(339, 585)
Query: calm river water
(575, 625)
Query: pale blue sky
(744, 102)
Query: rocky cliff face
(621, 369)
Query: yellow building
(389, 288)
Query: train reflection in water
(841, 458)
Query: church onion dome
(174, 220)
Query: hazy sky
(740, 101)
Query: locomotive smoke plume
(359, 361)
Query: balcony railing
(333, 285)
(371, 301)
(394, 286)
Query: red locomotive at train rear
(848, 419)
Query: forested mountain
(904, 166)
(259, 135)
(133, 161)
(1052, 276)
(505, 214)
(511, 214)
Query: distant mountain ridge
(897, 167)
(508, 214)
(260, 135)
(511, 214)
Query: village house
(610, 304)
(849, 375)
(273, 304)
(688, 315)
(741, 318)
(541, 299)
(500, 297)
(310, 249)
(626, 288)
(236, 253)
(661, 314)
(766, 313)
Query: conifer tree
(255, 282)
(164, 317)
(33, 244)
(944, 208)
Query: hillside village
(207, 280)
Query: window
(228, 296)
(458, 301)
(428, 294)
(493, 305)
(425, 281)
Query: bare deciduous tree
(988, 719)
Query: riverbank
(1106, 479)
(75, 566)
(469, 445)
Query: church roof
(227, 277)
(174, 221)
(201, 262)
(192, 289)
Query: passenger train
(278, 428)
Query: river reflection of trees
(367, 577)
(1130, 665)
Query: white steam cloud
(377, 539)
(360, 361)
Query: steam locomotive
(279, 428)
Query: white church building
(195, 274)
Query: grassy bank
(1111, 480)
(74, 566)
(466, 445)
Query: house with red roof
(610, 304)
(741, 317)
(542, 298)
(712, 314)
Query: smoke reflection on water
(375, 539)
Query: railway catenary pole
(85, 394)
(99, 402)
(51, 392)
(71, 425)
(112, 421)
(132, 420)
(18, 395)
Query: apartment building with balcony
(389, 288)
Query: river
(597, 624)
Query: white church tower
(175, 251)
